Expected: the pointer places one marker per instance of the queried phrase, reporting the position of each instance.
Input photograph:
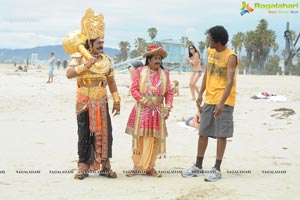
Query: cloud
(26, 40)
(50, 21)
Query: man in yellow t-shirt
(219, 83)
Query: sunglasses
(191, 48)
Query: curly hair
(218, 34)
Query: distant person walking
(58, 64)
(51, 67)
(65, 63)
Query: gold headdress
(92, 27)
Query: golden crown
(92, 25)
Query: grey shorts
(216, 127)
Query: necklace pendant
(154, 99)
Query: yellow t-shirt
(216, 77)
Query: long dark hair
(190, 54)
(149, 58)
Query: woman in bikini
(196, 64)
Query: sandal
(153, 172)
(106, 169)
(130, 174)
(81, 175)
(82, 171)
(108, 173)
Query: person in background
(58, 64)
(65, 63)
(193, 121)
(51, 68)
(132, 70)
(196, 64)
(175, 88)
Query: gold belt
(93, 83)
(92, 92)
(154, 98)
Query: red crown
(155, 49)
(151, 47)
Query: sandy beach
(39, 144)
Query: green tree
(152, 32)
(124, 48)
(118, 58)
(242, 64)
(258, 44)
(201, 46)
(237, 42)
(296, 69)
(185, 41)
(272, 66)
(140, 45)
(134, 53)
(249, 47)
(275, 47)
(263, 42)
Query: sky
(31, 23)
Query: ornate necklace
(150, 85)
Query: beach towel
(182, 124)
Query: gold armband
(116, 97)
(168, 107)
(80, 68)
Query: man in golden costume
(93, 71)
(151, 88)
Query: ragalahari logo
(246, 8)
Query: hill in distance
(20, 55)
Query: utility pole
(290, 49)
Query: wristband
(116, 97)
(79, 69)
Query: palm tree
(152, 32)
(264, 40)
(249, 46)
(275, 48)
(258, 44)
(117, 58)
(237, 43)
(124, 48)
(185, 41)
(135, 53)
(140, 44)
(201, 46)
